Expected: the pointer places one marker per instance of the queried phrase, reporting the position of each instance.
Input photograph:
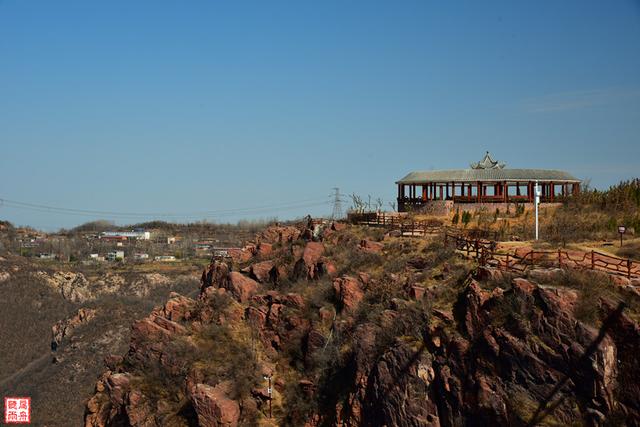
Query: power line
(217, 213)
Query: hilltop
(361, 327)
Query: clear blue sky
(186, 107)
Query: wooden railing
(485, 252)
(411, 227)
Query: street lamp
(269, 392)
(537, 202)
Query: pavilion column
(552, 187)
(424, 193)
(479, 192)
(505, 191)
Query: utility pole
(537, 190)
(337, 204)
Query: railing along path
(485, 252)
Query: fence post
(507, 268)
(559, 258)
(477, 249)
(629, 269)
(593, 260)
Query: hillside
(59, 321)
(364, 328)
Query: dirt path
(37, 364)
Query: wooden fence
(486, 254)
(410, 227)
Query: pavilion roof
(489, 174)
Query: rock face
(213, 406)
(65, 327)
(241, 287)
(491, 354)
(278, 234)
(72, 286)
(311, 264)
(348, 291)
(510, 349)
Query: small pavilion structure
(486, 181)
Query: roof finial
(487, 163)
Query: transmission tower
(337, 204)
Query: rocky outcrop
(64, 328)
(430, 349)
(348, 291)
(72, 286)
(214, 407)
(241, 286)
(279, 234)
(264, 272)
(310, 266)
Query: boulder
(348, 291)
(178, 307)
(241, 287)
(310, 265)
(264, 272)
(264, 249)
(279, 234)
(213, 406)
(371, 246)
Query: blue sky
(193, 108)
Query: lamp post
(537, 202)
(269, 392)
(621, 230)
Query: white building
(138, 235)
(115, 255)
(140, 256)
(165, 258)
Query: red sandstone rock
(264, 271)
(278, 234)
(264, 249)
(348, 291)
(240, 255)
(64, 328)
(241, 287)
(417, 292)
(178, 307)
(371, 246)
(309, 266)
(214, 407)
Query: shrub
(456, 217)
(466, 218)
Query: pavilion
(486, 181)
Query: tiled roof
(473, 175)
